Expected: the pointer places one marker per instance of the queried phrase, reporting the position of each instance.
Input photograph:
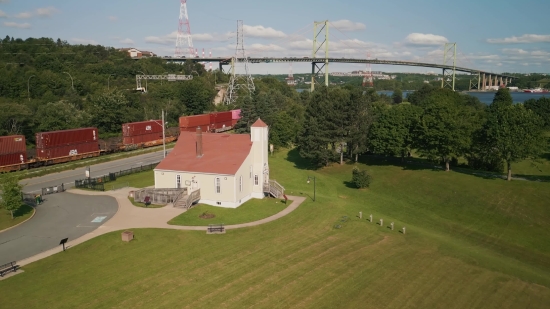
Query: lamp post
(72, 82)
(29, 87)
(308, 180)
(145, 79)
(108, 85)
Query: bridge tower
(184, 42)
(449, 60)
(368, 80)
(244, 81)
(475, 81)
(320, 40)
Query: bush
(360, 178)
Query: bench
(215, 229)
(147, 201)
(11, 266)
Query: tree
(60, 116)
(502, 97)
(11, 193)
(314, 138)
(393, 132)
(109, 111)
(445, 129)
(283, 131)
(360, 178)
(415, 98)
(540, 107)
(512, 133)
(397, 96)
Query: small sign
(87, 174)
(98, 219)
(18, 139)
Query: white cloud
(169, 39)
(347, 25)
(203, 37)
(84, 41)
(526, 38)
(112, 18)
(47, 12)
(425, 39)
(17, 25)
(263, 47)
(24, 15)
(262, 32)
(515, 51)
(3, 14)
(127, 41)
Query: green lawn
(252, 210)
(22, 214)
(137, 180)
(471, 242)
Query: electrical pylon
(368, 81)
(316, 69)
(184, 41)
(241, 81)
(449, 59)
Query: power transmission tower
(317, 70)
(184, 42)
(368, 80)
(449, 59)
(242, 81)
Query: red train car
(236, 115)
(67, 145)
(221, 117)
(13, 153)
(66, 153)
(190, 123)
(66, 137)
(154, 138)
(142, 127)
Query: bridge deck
(227, 60)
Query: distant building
(137, 54)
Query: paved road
(61, 215)
(68, 177)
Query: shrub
(360, 178)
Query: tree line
(334, 124)
(48, 84)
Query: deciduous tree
(11, 193)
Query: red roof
(259, 124)
(222, 153)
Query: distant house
(138, 54)
(229, 169)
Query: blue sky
(498, 36)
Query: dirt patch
(206, 215)
(343, 196)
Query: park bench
(215, 229)
(147, 201)
(11, 266)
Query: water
(484, 97)
(487, 97)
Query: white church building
(229, 169)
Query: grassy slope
(250, 211)
(471, 242)
(22, 214)
(138, 180)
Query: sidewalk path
(129, 216)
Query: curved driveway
(61, 215)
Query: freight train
(75, 144)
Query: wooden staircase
(185, 200)
(274, 189)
